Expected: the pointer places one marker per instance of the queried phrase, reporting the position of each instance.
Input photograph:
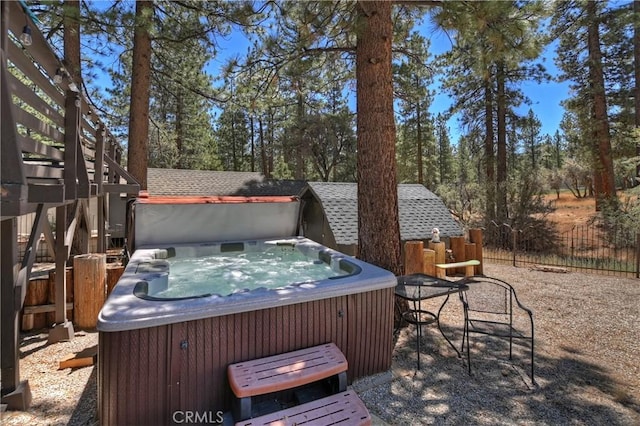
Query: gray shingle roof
(420, 211)
(176, 182)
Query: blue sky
(545, 97)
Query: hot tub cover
(177, 220)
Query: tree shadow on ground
(570, 390)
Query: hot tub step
(285, 371)
(342, 408)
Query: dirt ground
(570, 211)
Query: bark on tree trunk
(263, 151)
(252, 137)
(71, 36)
(419, 135)
(636, 65)
(489, 153)
(501, 167)
(603, 181)
(299, 148)
(378, 226)
(234, 155)
(138, 155)
(179, 136)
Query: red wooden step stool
(284, 371)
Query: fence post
(638, 255)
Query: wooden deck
(56, 154)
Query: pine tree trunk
(419, 136)
(179, 133)
(636, 66)
(71, 36)
(252, 137)
(603, 181)
(299, 147)
(501, 167)
(489, 159)
(263, 151)
(234, 155)
(138, 155)
(378, 226)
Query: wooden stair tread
(285, 371)
(342, 408)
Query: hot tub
(163, 352)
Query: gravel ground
(587, 373)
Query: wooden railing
(56, 153)
(58, 149)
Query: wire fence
(590, 248)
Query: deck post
(15, 394)
(63, 329)
(98, 178)
(71, 118)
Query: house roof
(420, 211)
(172, 182)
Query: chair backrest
(488, 295)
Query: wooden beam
(36, 102)
(12, 209)
(25, 64)
(39, 49)
(53, 194)
(71, 146)
(121, 188)
(98, 178)
(84, 358)
(119, 170)
(30, 253)
(33, 123)
(62, 255)
(13, 192)
(43, 171)
(109, 154)
(42, 309)
(10, 155)
(84, 188)
(83, 232)
(99, 159)
(27, 144)
(49, 239)
(9, 331)
(102, 241)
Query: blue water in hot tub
(227, 273)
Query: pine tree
(412, 79)
(378, 225)
(584, 51)
(497, 42)
(138, 153)
(446, 171)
